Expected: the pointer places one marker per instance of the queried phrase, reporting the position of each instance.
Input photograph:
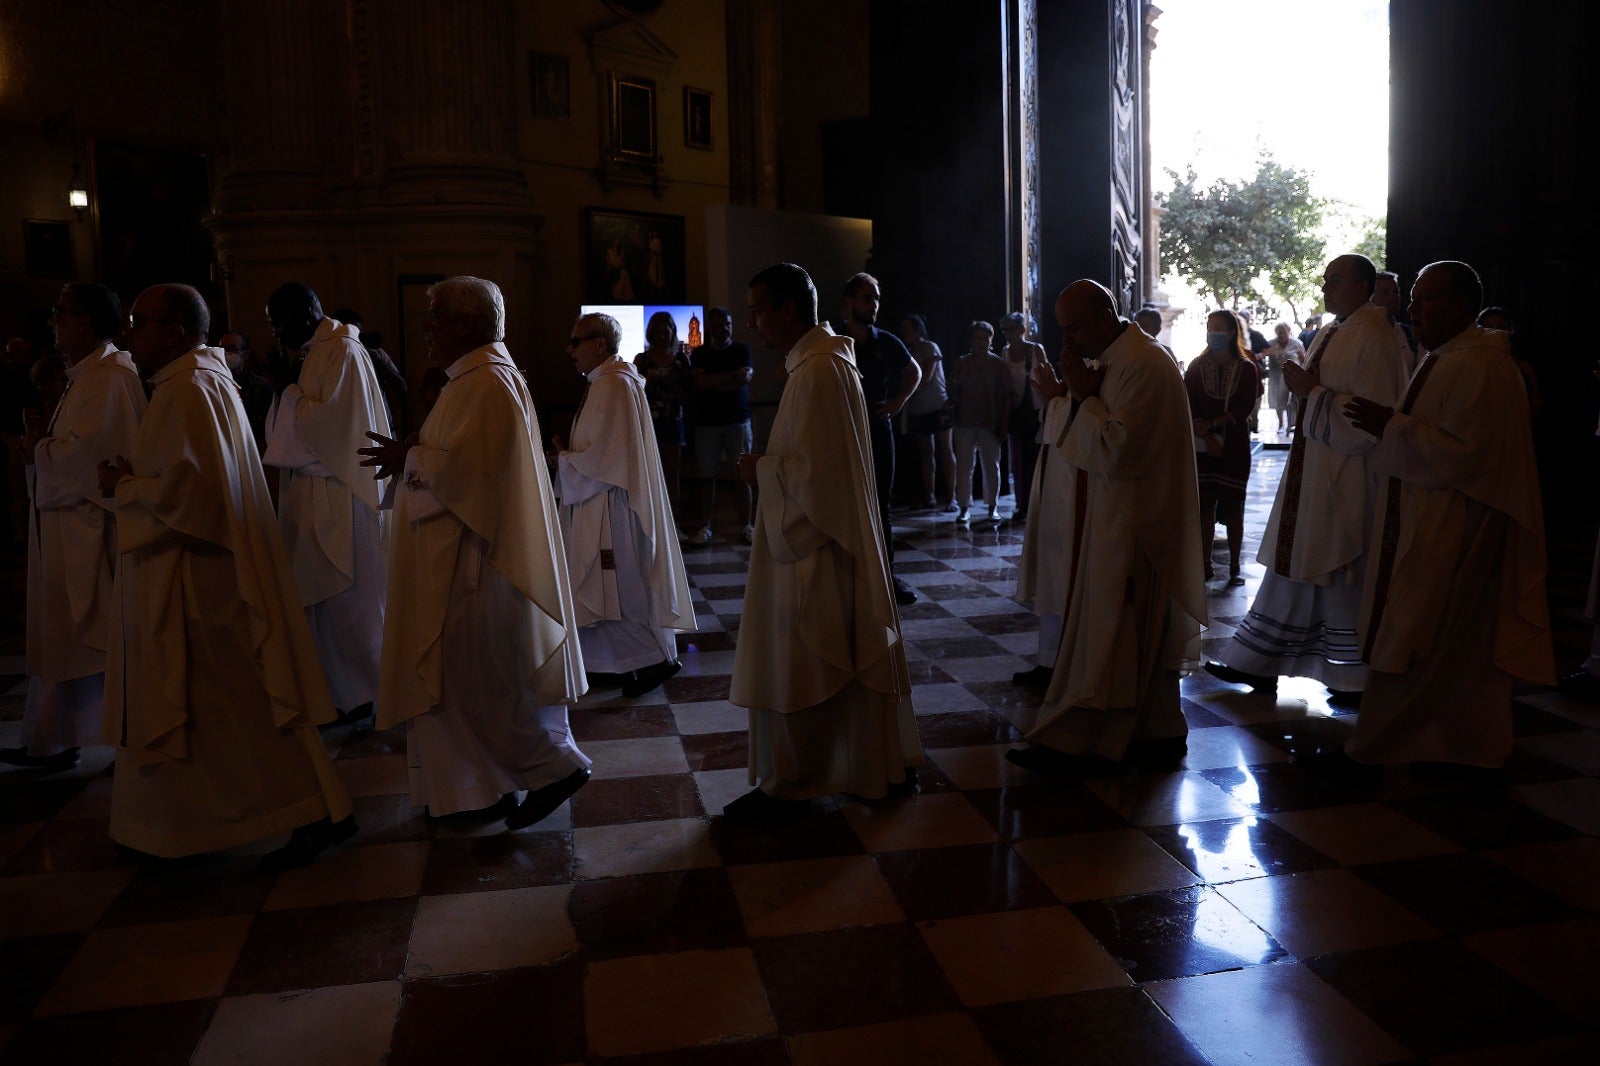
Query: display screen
(690, 319)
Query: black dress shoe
(309, 841)
(356, 714)
(1038, 677)
(904, 595)
(1339, 697)
(60, 762)
(757, 806)
(904, 788)
(541, 803)
(1167, 754)
(1226, 673)
(1580, 684)
(650, 678)
(598, 679)
(1042, 760)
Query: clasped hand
(109, 473)
(1369, 416)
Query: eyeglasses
(59, 312)
(137, 320)
(574, 343)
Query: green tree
(1245, 242)
(1374, 243)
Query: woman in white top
(1021, 355)
(926, 422)
(1283, 347)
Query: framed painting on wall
(633, 118)
(552, 86)
(633, 257)
(697, 118)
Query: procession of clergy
(471, 585)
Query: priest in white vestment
(1454, 608)
(1054, 532)
(72, 534)
(820, 663)
(328, 505)
(480, 647)
(213, 690)
(629, 586)
(1304, 617)
(1137, 603)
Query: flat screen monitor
(690, 320)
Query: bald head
(1087, 314)
(166, 322)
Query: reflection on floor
(1235, 910)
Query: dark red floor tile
(1003, 695)
(1107, 1027)
(203, 890)
(1464, 894)
(620, 722)
(717, 751)
(1200, 718)
(851, 977)
(964, 591)
(314, 947)
(682, 689)
(66, 844)
(1182, 933)
(937, 648)
(1529, 721)
(165, 1033)
(502, 860)
(1271, 787)
(30, 797)
(531, 1015)
(934, 883)
(1303, 736)
(958, 729)
(694, 567)
(1482, 818)
(636, 799)
(921, 566)
(1022, 812)
(1438, 997)
(769, 1051)
(718, 593)
(28, 967)
(1019, 621)
(922, 610)
(1232, 849)
(817, 835)
(391, 819)
(656, 912)
(689, 643)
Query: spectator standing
(1282, 348)
(983, 407)
(721, 370)
(1222, 387)
(667, 378)
(926, 421)
(1020, 356)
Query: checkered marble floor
(1233, 910)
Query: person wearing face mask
(1303, 620)
(1222, 386)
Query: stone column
(755, 105)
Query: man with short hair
(254, 390)
(629, 586)
(327, 505)
(722, 370)
(72, 534)
(1454, 609)
(480, 650)
(1149, 320)
(1303, 620)
(213, 688)
(1386, 294)
(820, 664)
(888, 378)
(1309, 334)
(1136, 599)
